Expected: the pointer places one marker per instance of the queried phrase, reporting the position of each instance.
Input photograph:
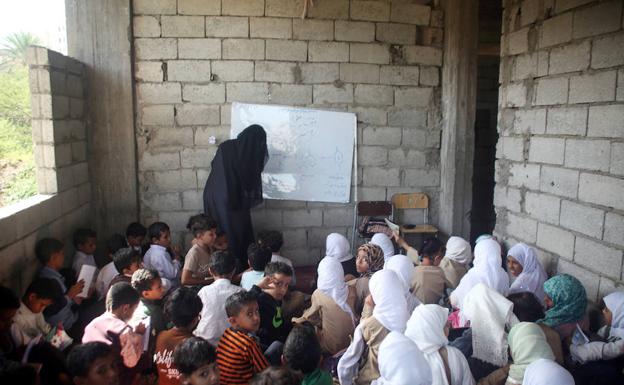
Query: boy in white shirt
(85, 243)
(159, 258)
(28, 322)
(258, 257)
(214, 320)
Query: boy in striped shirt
(239, 356)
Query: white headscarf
(533, 275)
(458, 250)
(337, 247)
(426, 328)
(385, 243)
(615, 304)
(487, 270)
(331, 282)
(390, 305)
(488, 312)
(401, 362)
(546, 372)
(404, 268)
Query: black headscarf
(244, 159)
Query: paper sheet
(87, 273)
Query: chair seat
(420, 229)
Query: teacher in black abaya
(234, 186)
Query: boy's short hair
(183, 306)
(277, 376)
(222, 263)
(430, 247)
(81, 236)
(45, 247)
(271, 238)
(192, 354)
(156, 229)
(44, 288)
(123, 258)
(259, 256)
(143, 280)
(81, 357)
(234, 303)
(302, 350)
(8, 299)
(23, 374)
(135, 229)
(526, 306)
(200, 223)
(115, 242)
(278, 268)
(121, 293)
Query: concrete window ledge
(23, 218)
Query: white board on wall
(310, 151)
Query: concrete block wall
(59, 131)
(378, 59)
(560, 180)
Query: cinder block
(161, 201)
(286, 50)
(154, 7)
(156, 49)
(601, 190)
(401, 12)
(530, 12)
(233, 70)
(597, 20)
(159, 160)
(312, 73)
(407, 117)
(598, 257)
(598, 87)
(329, 9)
(328, 52)
(414, 97)
(207, 93)
(512, 148)
(524, 175)
(556, 240)
(530, 121)
(243, 49)
(359, 73)
(270, 28)
(429, 76)
(227, 26)
(381, 136)
(329, 94)
(146, 26)
(247, 92)
(78, 152)
(606, 121)
(243, 7)
(148, 71)
(291, 94)
(589, 279)
(370, 10)
(159, 92)
(614, 229)
(358, 31)
(582, 219)
(369, 53)
(199, 48)
(394, 33)
(372, 156)
(607, 51)
(518, 42)
(546, 150)
(556, 30)
(175, 180)
(542, 207)
(564, 5)
(182, 26)
(283, 8)
(197, 114)
(522, 228)
(620, 86)
(551, 91)
(170, 138)
(422, 178)
(402, 157)
(76, 108)
(203, 134)
(199, 7)
(559, 181)
(370, 115)
(338, 217)
(280, 72)
(310, 29)
(567, 121)
(188, 70)
(377, 176)
(423, 55)
(374, 94)
(302, 218)
(569, 58)
(514, 95)
(617, 159)
(400, 75)
(588, 154)
(197, 157)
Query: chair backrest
(374, 208)
(410, 201)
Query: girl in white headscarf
(331, 311)
(390, 314)
(456, 260)
(385, 243)
(337, 247)
(404, 268)
(546, 372)
(530, 276)
(427, 327)
(487, 270)
(401, 362)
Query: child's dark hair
(192, 354)
(200, 223)
(82, 235)
(44, 288)
(430, 247)
(222, 263)
(45, 247)
(124, 258)
(302, 350)
(234, 303)
(115, 243)
(156, 229)
(183, 306)
(526, 306)
(277, 376)
(81, 357)
(278, 268)
(22, 374)
(143, 279)
(135, 229)
(8, 299)
(273, 239)
(121, 293)
(259, 256)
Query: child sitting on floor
(195, 359)
(197, 260)
(159, 256)
(258, 257)
(275, 240)
(85, 242)
(135, 235)
(277, 376)
(127, 261)
(93, 363)
(109, 271)
(370, 259)
(429, 282)
(302, 352)
(149, 286)
(239, 356)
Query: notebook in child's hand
(87, 273)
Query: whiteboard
(310, 151)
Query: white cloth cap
(337, 247)
(458, 249)
(390, 305)
(533, 275)
(385, 243)
(546, 372)
(401, 362)
(331, 282)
